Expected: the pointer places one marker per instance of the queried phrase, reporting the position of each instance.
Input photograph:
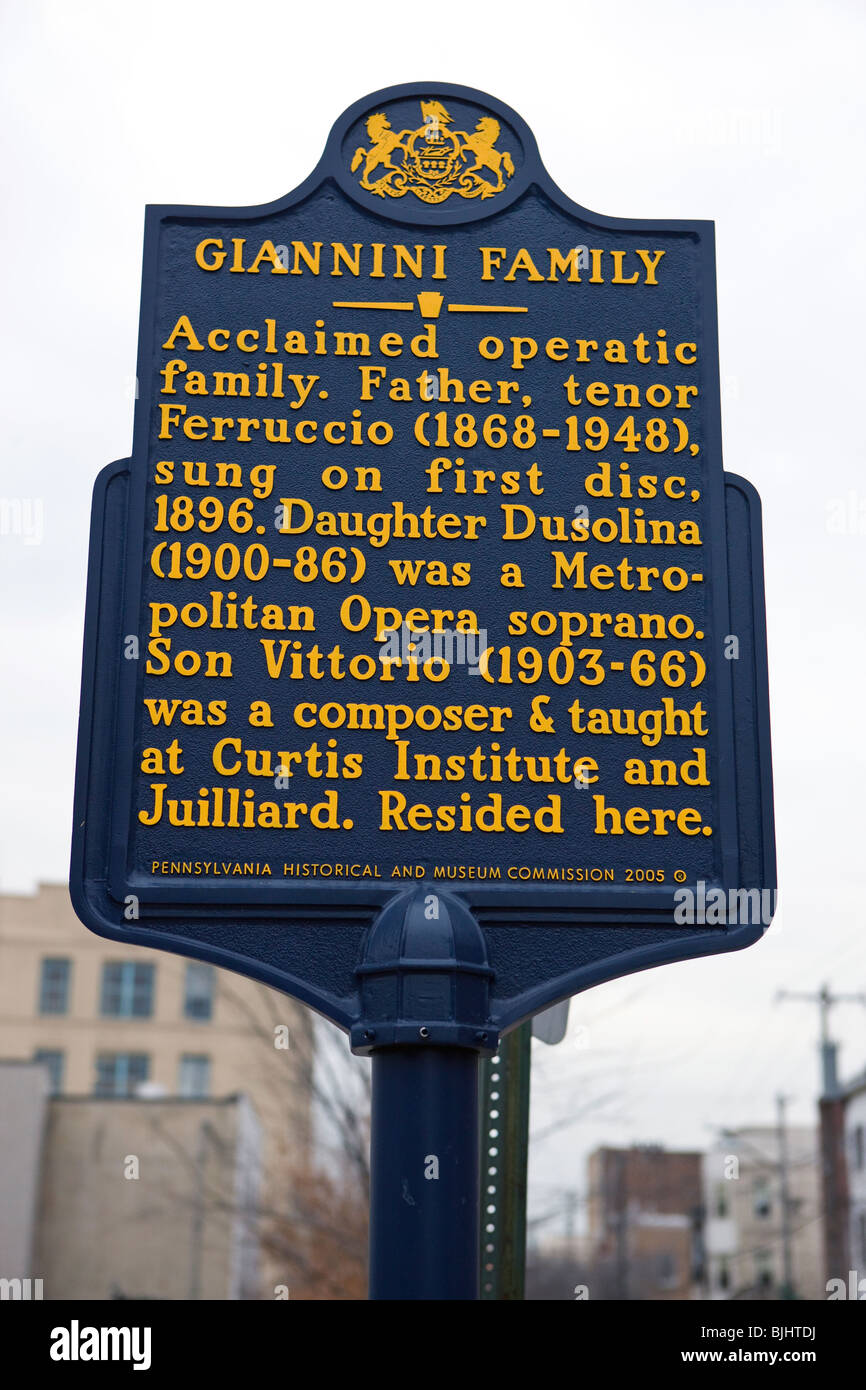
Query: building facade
(842, 1109)
(126, 1198)
(114, 1022)
(106, 1018)
(645, 1222)
(855, 1149)
(764, 1226)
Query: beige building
(113, 1022)
(746, 1232)
(110, 1199)
(170, 1186)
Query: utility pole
(831, 1108)
(570, 1203)
(825, 1000)
(622, 1251)
(787, 1289)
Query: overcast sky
(751, 114)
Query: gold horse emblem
(432, 161)
(486, 157)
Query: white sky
(751, 114)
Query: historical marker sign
(425, 568)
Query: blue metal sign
(424, 583)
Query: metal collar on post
(424, 977)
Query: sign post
(424, 669)
(504, 1165)
(424, 1234)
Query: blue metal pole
(424, 992)
(424, 1160)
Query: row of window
(762, 1199)
(120, 1073)
(763, 1276)
(127, 989)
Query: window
(127, 990)
(763, 1269)
(198, 992)
(721, 1201)
(194, 1077)
(859, 1148)
(54, 986)
(666, 1271)
(763, 1204)
(118, 1073)
(53, 1062)
(863, 1236)
(724, 1276)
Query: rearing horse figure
(384, 141)
(486, 157)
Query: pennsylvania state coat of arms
(433, 161)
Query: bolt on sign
(424, 568)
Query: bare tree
(312, 1219)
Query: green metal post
(504, 1098)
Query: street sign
(424, 570)
(551, 1025)
(425, 668)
